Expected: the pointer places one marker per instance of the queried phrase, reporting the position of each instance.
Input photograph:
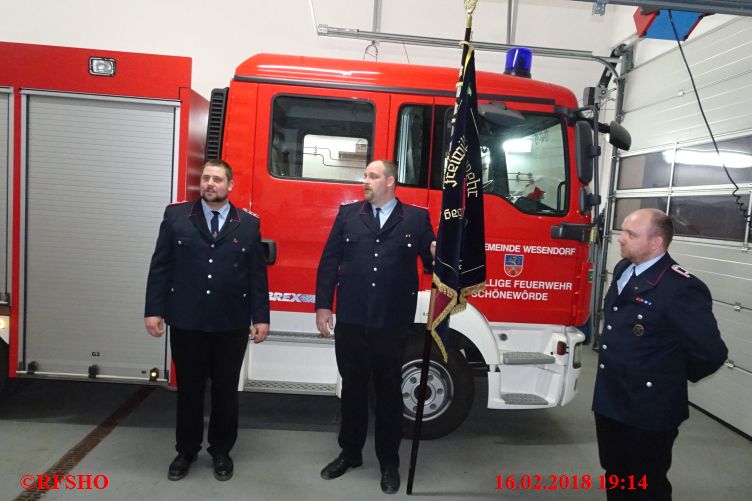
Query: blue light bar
(519, 62)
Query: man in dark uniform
(371, 260)
(659, 332)
(207, 281)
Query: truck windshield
(524, 162)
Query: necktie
(215, 224)
(377, 213)
(629, 272)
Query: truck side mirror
(585, 151)
(619, 136)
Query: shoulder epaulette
(350, 202)
(681, 271)
(251, 213)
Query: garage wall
(673, 166)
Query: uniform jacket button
(649, 384)
(616, 308)
(602, 366)
(208, 292)
(639, 316)
(608, 327)
(604, 346)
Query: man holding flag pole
(460, 260)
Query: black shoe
(223, 467)
(390, 480)
(338, 467)
(180, 466)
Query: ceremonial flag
(460, 261)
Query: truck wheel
(449, 393)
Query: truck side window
(524, 163)
(321, 138)
(413, 145)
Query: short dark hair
(390, 168)
(218, 162)
(663, 226)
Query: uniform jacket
(199, 283)
(658, 333)
(374, 270)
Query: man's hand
(324, 321)
(154, 326)
(433, 249)
(258, 332)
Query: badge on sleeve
(638, 330)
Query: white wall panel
(660, 106)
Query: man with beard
(659, 332)
(207, 281)
(370, 258)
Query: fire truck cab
(299, 132)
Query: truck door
(312, 146)
(526, 183)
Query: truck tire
(449, 394)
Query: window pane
(334, 157)
(413, 145)
(651, 170)
(624, 206)
(715, 217)
(700, 165)
(523, 161)
(315, 138)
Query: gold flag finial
(470, 6)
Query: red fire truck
(298, 132)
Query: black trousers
(199, 356)
(363, 354)
(625, 450)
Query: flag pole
(469, 7)
(421, 395)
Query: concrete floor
(285, 440)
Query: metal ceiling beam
(732, 7)
(332, 31)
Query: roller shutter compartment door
(5, 130)
(99, 174)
